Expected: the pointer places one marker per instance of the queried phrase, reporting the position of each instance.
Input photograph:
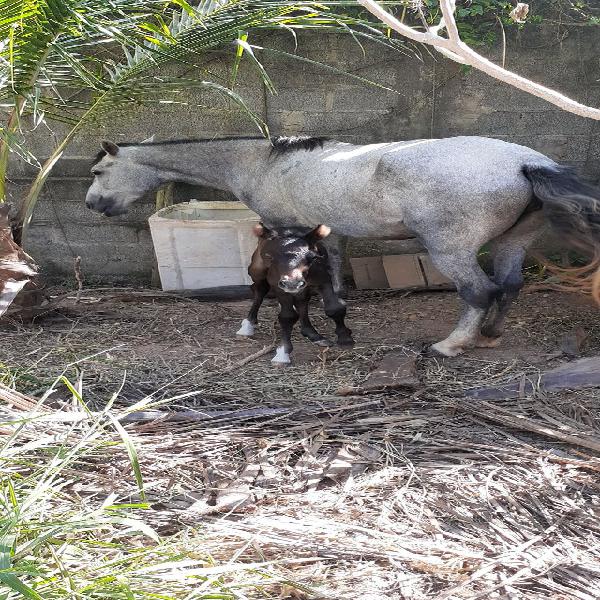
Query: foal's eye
(266, 255)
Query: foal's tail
(572, 207)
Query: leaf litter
(406, 493)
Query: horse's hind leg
(476, 290)
(508, 252)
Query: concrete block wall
(429, 97)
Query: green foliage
(478, 20)
(80, 62)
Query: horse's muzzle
(107, 208)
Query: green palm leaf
(117, 50)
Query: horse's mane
(281, 144)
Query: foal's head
(288, 253)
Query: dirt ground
(153, 340)
(420, 494)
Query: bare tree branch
(454, 48)
(448, 9)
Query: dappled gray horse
(455, 194)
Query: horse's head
(120, 179)
(288, 254)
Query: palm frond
(115, 51)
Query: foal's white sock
(246, 330)
(281, 357)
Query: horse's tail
(572, 207)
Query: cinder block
(404, 271)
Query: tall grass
(66, 531)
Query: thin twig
(78, 277)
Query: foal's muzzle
(291, 286)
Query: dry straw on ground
(414, 495)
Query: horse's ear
(110, 148)
(148, 140)
(260, 231)
(320, 232)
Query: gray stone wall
(433, 98)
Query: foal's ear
(260, 231)
(320, 232)
(110, 148)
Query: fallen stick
(493, 413)
(17, 399)
(79, 278)
(246, 360)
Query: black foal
(294, 264)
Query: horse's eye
(96, 172)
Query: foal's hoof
(323, 342)
(447, 350)
(345, 343)
(488, 342)
(281, 358)
(246, 330)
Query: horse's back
(462, 155)
(478, 170)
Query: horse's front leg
(287, 318)
(476, 290)
(259, 289)
(306, 327)
(335, 308)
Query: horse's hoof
(346, 343)
(246, 330)
(491, 332)
(281, 358)
(488, 342)
(281, 365)
(447, 350)
(324, 342)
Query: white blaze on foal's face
(288, 255)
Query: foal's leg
(508, 251)
(336, 250)
(335, 308)
(259, 290)
(478, 293)
(306, 327)
(287, 318)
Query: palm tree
(78, 61)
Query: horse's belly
(351, 226)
